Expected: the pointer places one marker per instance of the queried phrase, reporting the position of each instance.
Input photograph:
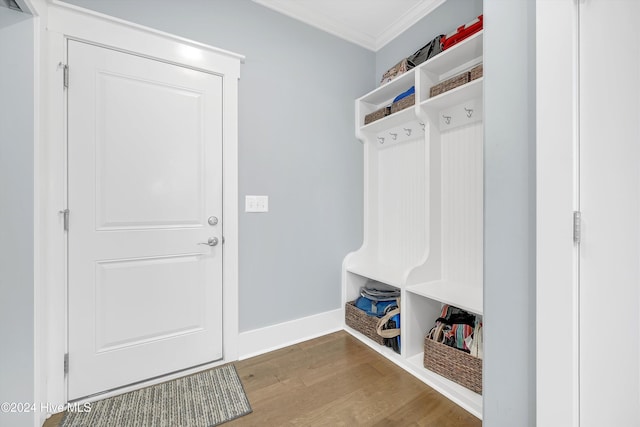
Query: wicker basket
(406, 102)
(362, 322)
(398, 69)
(458, 366)
(449, 84)
(475, 72)
(377, 115)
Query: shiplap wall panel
(461, 165)
(402, 203)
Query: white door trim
(557, 353)
(63, 21)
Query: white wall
(16, 214)
(297, 145)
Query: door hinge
(66, 363)
(577, 220)
(65, 213)
(65, 74)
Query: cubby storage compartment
(423, 210)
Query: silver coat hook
(469, 112)
(408, 131)
(381, 139)
(394, 135)
(447, 119)
(422, 124)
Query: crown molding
(410, 18)
(374, 43)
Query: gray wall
(444, 20)
(297, 145)
(509, 203)
(16, 213)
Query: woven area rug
(205, 399)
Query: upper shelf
(456, 56)
(395, 119)
(444, 62)
(454, 96)
(389, 90)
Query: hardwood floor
(335, 380)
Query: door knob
(211, 242)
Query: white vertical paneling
(402, 207)
(461, 166)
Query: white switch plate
(256, 203)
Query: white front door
(145, 234)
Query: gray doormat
(205, 399)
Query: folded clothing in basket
(376, 298)
(455, 328)
(379, 291)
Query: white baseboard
(263, 340)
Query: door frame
(59, 22)
(557, 180)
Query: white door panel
(145, 173)
(169, 193)
(124, 289)
(610, 206)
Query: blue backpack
(374, 308)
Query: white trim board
(557, 375)
(259, 341)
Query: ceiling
(11, 4)
(368, 23)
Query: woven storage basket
(449, 84)
(475, 72)
(362, 322)
(458, 366)
(405, 102)
(398, 69)
(377, 115)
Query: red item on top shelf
(462, 33)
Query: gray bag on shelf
(427, 51)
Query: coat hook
(394, 135)
(469, 112)
(408, 131)
(422, 124)
(447, 119)
(381, 139)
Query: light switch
(256, 203)
(262, 203)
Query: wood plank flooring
(335, 380)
